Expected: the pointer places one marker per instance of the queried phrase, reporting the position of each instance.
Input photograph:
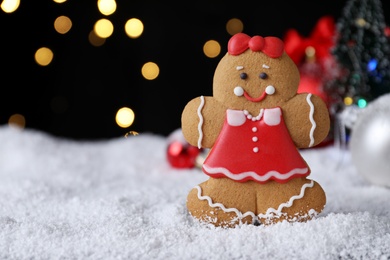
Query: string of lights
(100, 69)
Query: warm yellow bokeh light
(95, 40)
(10, 6)
(150, 70)
(17, 120)
(59, 1)
(104, 28)
(43, 56)
(106, 7)
(348, 101)
(124, 117)
(234, 26)
(134, 28)
(62, 24)
(212, 49)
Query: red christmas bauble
(181, 154)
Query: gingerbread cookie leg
(223, 202)
(298, 200)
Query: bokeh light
(43, 56)
(212, 48)
(95, 40)
(106, 7)
(234, 26)
(124, 117)
(348, 101)
(62, 24)
(372, 65)
(17, 120)
(134, 28)
(362, 103)
(150, 70)
(104, 28)
(10, 6)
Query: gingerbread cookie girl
(254, 123)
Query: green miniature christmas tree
(362, 54)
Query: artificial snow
(120, 199)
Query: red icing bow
(271, 46)
(321, 39)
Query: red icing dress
(255, 148)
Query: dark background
(94, 82)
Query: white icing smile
(239, 91)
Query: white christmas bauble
(370, 142)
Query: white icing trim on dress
(269, 213)
(288, 204)
(200, 122)
(313, 123)
(253, 175)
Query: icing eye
(263, 75)
(270, 90)
(243, 75)
(238, 91)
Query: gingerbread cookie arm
(202, 120)
(307, 119)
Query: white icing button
(254, 129)
(270, 90)
(255, 149)
(238, 91)
(254, 139)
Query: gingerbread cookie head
(255, 72)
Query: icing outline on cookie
(288, 204)
(270, 213)
(313, 123)
(200, 122)
(220, 205)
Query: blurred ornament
(310, 81)
(344, 121)
(370, 141)
(320, 41)
(131, 133)
(181, 154)
(313, 57)
(387, 31)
